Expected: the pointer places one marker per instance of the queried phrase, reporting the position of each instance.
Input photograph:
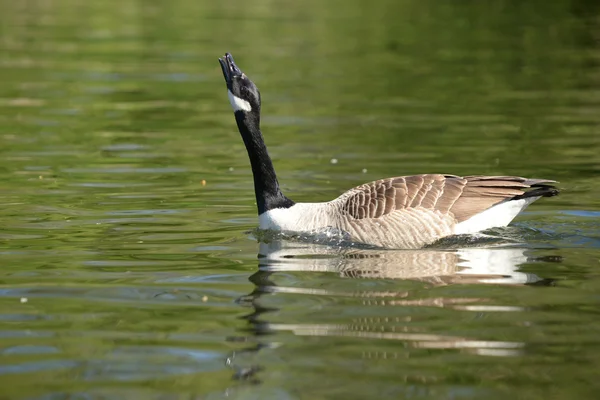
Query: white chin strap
(238, 104)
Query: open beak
(230, 70)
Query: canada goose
(400, 212)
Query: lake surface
(129, 262)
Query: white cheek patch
(238, 104)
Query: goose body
(400, 212)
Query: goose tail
(540, 188)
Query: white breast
(301, 217)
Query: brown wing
(463, 197)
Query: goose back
(413, 211)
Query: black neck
(266, 187)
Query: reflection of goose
(497, 265)
(399, 212)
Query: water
(129, 262)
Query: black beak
(230, 70)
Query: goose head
(243, 93)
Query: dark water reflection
(128, 262)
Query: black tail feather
(538, 191)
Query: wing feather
(459, 197)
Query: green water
(128, 263)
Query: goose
(402, 212)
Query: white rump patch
(238, 104)
(496, 216)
